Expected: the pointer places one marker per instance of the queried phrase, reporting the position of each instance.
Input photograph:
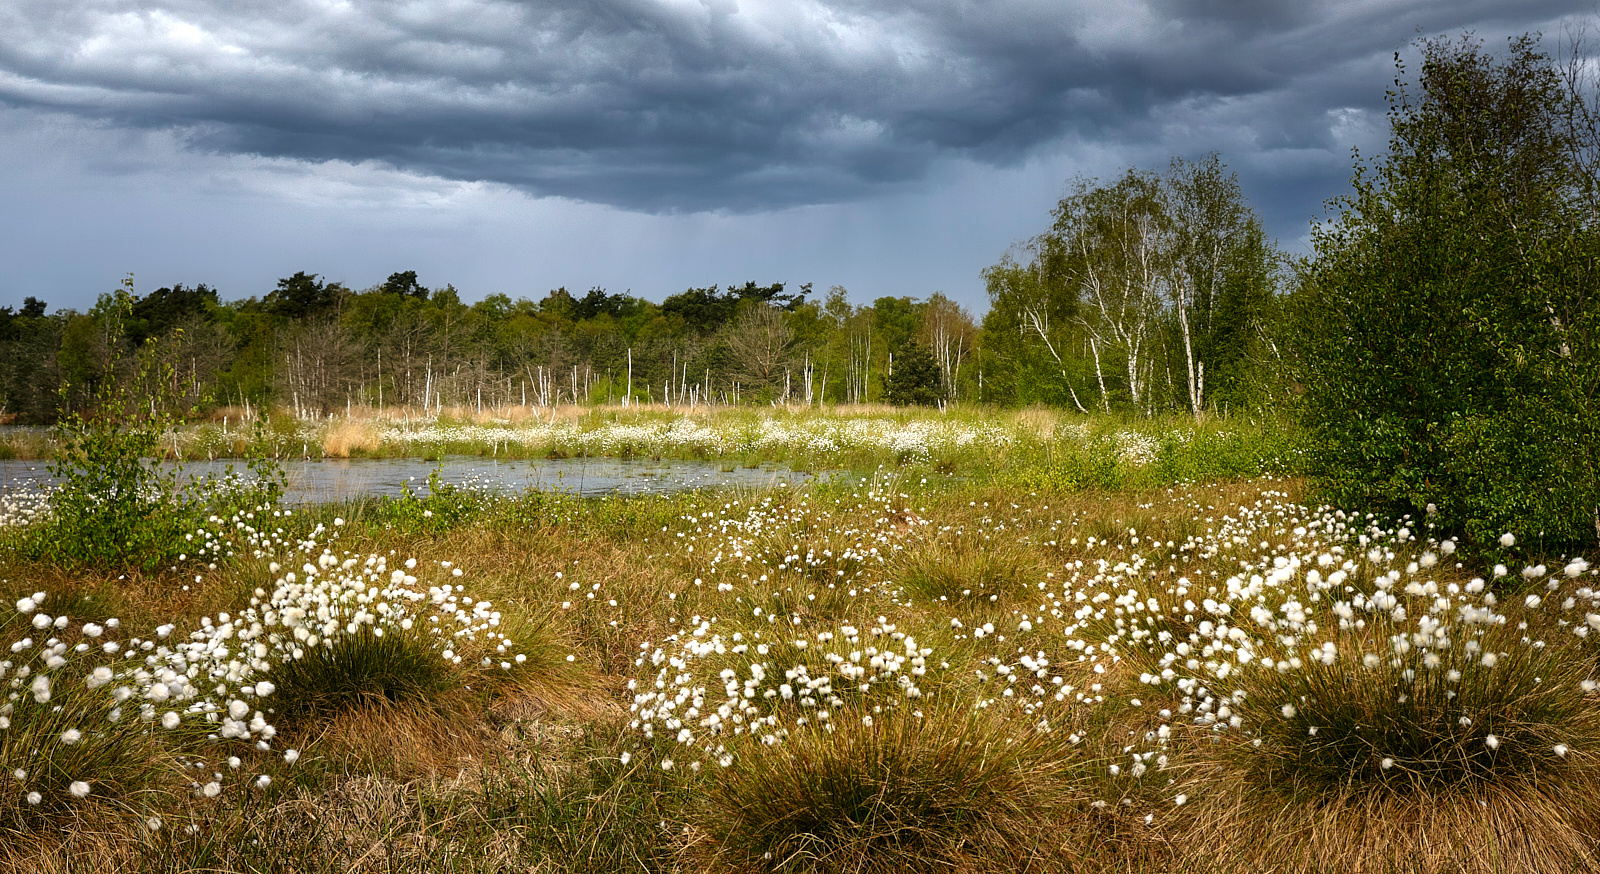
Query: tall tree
(761, 345)
(916, 380)
(948, 332)
(1032, 329)
(1111, 242)
(1216, 248)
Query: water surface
(345, 479)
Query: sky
(648, 146)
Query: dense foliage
(1151, 293)
(915, 379)
(1448, 321)
(315, 347)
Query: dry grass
(1527, 827)
(99, 838)
(403, 743)
(528, 776)
(348, 437)
(1040, 421)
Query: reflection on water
(342, 479)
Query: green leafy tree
(404, 284)
(916, 380)
(303, 295)
(1149, 292)
(1448, 324)
(1219, 281)
(159, 312)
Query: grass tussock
(367, 669)
(974, 569)
(1395, 725)
(952, 789)
(1546, 827)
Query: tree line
(1151, 293)
(317, 347)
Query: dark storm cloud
(719, 104)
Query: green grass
(363, 669)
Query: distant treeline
(1149, 294)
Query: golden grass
(1040, 421)
(1530, 828)
(405, 742)
(99, 838)
(346, 437)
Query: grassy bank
(1066, 666)
(1038, 448)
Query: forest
(1154, 292)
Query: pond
(345, 479)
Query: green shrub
(110, 506)
(1449, 321)
(444, 507)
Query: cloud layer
(730, 105)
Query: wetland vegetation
(1303, 585)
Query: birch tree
(1111, 244)
(1211, 233)
(948, 332)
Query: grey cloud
(722, 104)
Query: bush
(1448, 324)
(109, 507)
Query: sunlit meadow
(1032, 642)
